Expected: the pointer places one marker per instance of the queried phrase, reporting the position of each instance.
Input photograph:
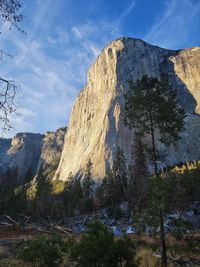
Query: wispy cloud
(172, 28)
(127, 11)
(51, 67)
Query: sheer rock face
(187, 68)
(26, 153)
(96, 125)
(51, 150)
(21, 154)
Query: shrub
(44, 251)
(98, 247)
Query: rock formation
(96, 125)
(51, 150)
(27, 153)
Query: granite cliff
(26, 153)
(96, 125)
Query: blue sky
(63, 39)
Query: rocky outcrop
(96, 125)
(51, 150)
(21, 155)
(27, 153)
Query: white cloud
(77, 32)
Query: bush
(98, 247)
(44, 251)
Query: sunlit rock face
(27, 153)
(51, 150)
(96, 124)
(187, 68)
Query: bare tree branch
(8, 90)
(2, 53)
(10, 12)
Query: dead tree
(9, 12)
(8, 90)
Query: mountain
(26, 153)
(96, 126)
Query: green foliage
(98, 201)
(186, 187)
(108, 188)
(139, 157)
(87, 180)
(120, 175)
(137, 176)
(180, 227)
(152, 105)
(125, 252)
(17, 202)
(44, 251)
(87, 185)
(159, 199)
(98, 247)
(149, 103)
(43, 197)
(114, 184)
(72, 196)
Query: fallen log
(63, 230)
(43, 230)
(6, 224)
(10, 219)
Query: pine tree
(76, 196)
(108, 188)
(114, 185)
(43, 195)
(151, 106)
(120, 175)
(70, 181)
(87, 185)
(137, 182)
(72, 196)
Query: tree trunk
(162, 231)
(153, 146)
(162, 241)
